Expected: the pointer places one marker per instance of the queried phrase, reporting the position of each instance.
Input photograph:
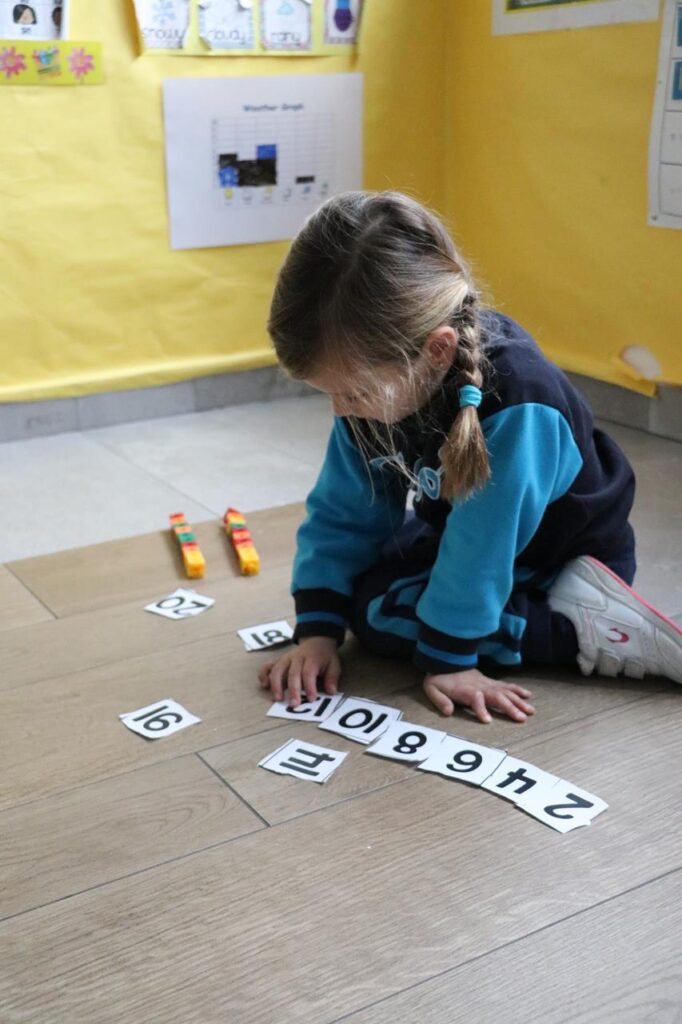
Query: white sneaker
(618, 631)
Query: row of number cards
(552, 800)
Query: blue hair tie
(470, 395)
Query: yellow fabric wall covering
(91, 296)
(547, 145)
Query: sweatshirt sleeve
(534, 459)
(353, 509)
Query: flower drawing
(81, 62)
(11, 62)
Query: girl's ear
(440, 347)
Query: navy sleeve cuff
(321, 612)
(438, 653)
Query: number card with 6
(460, 759)
(405, 741)
(361, 720)
(160, 719)
(308, 710)
(562, 806)
(181, 604)
(269, 634)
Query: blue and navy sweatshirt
(559, 488)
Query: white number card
(404, 741)
(304, 761)
(514, 779)
(181, 604)
(270, 634)
(160, 719)
(361, 720)
(308, 710)
(460, 759)
(562, 806)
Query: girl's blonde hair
(366, 281)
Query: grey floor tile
(139, 404)
(66, 492)
(23, 420)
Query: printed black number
(180, 606)
(465, 761)
(164, 719)
(577, 804)
(303, 709)
(406, 745)
(269, 637)
(367, 717)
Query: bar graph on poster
(248, 159)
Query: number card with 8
(405, 741)
(160, 719)
(361, 720)
(460, 759)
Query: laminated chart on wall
(36, 20)
(248, 159)
(255, 28)
(665, 145)
(512, 17)
(45, 62)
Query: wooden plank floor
(175, 881)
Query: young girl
(519, 547)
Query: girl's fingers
(478, 705)
(264, 674)
(309, 679)
(519, 689)
(503, 703)
(521, 703)
(440, 700)
(278, 673)
(331, 677)
(294, 684)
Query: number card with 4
(160, 719)
(181, 604)
(361, 720)
(460, 759)
(514, 779)
(562, 806)
(405, 741)
(308, 710)
(303, 760)
(269, 634)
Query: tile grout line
(7, 566)
(232, 790)
(506, 945)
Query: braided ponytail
(464, 456)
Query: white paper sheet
(361, 720)
(268, 634)
(163, 24)
(665, 141)
(309, 710)
(286, 24)
(36, 19)
(511, 17)
(226, 25)
(514, 779)
(181, 604)
(160, 719)
(562, 805)
(248, 159)
(405, 741)
(464, 761)
(303, 761)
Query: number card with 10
(361, 720)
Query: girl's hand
(478, 692)
(300, 668)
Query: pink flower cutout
(11, 62)
(81, 62)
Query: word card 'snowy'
(181, 604)
(269, 634)
(361, 720)
(405, 741)
(460, 759)
(303, 760)
(160, 719)
(308, 710)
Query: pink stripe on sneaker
(634, 593)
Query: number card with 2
(460, 759)
(269, 634)
(361, 720)
(304, 761)
(405, 741)
(562, 806)
(160, 719)
(181, 604)
(308, 710)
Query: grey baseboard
(23, 420)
